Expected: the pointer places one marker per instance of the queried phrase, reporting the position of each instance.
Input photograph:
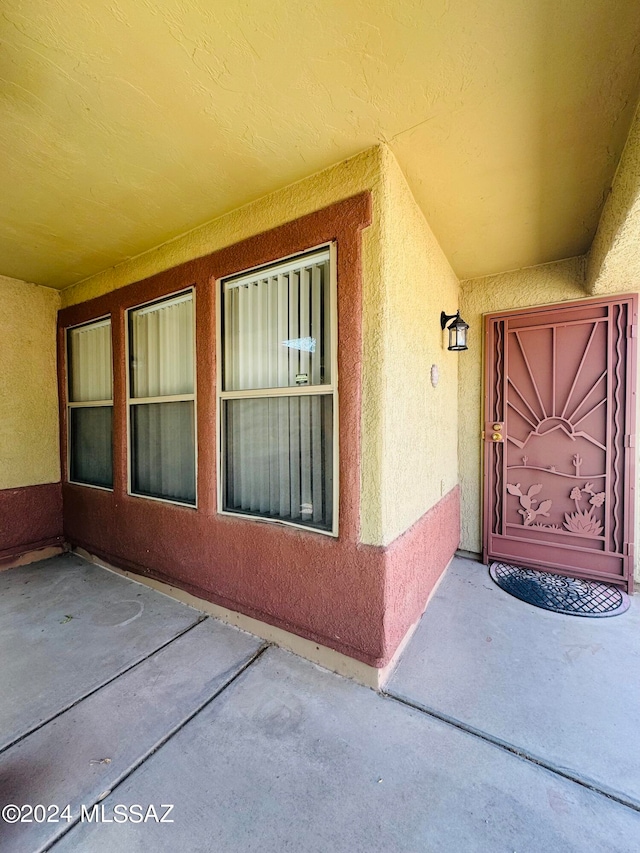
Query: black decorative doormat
(558, 593)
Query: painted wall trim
(30, 519)
(312, 651)
(356, 599)
(323, 656)
(414, 564)
(328, 591)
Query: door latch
(493, 431)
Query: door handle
(493, 431)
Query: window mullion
(168, 398)
(289, 391)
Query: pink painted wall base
(359, 600)
(30, 519)
(414, 564)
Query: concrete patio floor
(504, 728)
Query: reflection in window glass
(277, 326)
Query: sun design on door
(557, 396)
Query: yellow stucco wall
(417, 454)
(613, 264)
(29, 453)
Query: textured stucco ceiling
(125, 123)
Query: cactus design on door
(559, 438)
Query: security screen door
(559, 438)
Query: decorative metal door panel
(559, 438)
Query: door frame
(630, 450)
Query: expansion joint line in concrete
(101, 685)
(167, 737)
(514, 750)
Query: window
(278, 406)
(90, 404)
(161, 400)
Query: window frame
(86, 404)
(329, 389)
(171, 398)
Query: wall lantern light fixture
(457, 331)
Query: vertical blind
(277, 329)
(161, 346)
(163, 452)
(90, 370)
(279, 458)
(278, 450)
(90, 426)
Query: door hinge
(632, 331)
(629, 441)
(628, 549)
